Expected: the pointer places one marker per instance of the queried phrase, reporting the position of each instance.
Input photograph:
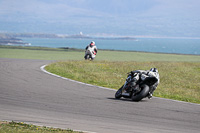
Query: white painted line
(176, 101)
(42, 68)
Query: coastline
(147, 44)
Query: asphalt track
(30, 95)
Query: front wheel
(118, 94)
(143, 93)
(87, 56)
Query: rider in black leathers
(143, 74)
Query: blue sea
(160, 45)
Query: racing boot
(150, 95)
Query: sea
(158, 45)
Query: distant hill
(44, 35)
(9, 40)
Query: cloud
(118, 16)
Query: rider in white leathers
(91, 49)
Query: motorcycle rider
(93, 48)
(143, 74)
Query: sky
(174, 18)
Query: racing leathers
(91, 50)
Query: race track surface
(29, 95)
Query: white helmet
(92, 43)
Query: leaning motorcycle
(89, 54)
(136, 87)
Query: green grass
(142, 56)
(20, 127)
(72, 54)
(178, 80)
(40, 53)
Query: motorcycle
(136, 87)
(89, 54)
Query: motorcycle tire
(143, 93)
(118, 94)
(88, 56)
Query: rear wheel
(118, 94)
(143, 93)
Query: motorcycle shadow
(127, 100)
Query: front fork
(130, 86)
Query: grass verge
(42, 53)
(179, 80)
(20, 127)
(73, 54)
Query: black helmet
(154, 70)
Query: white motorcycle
(90, 54)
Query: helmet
(154, 70)
(92, 43)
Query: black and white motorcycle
(136, 87)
